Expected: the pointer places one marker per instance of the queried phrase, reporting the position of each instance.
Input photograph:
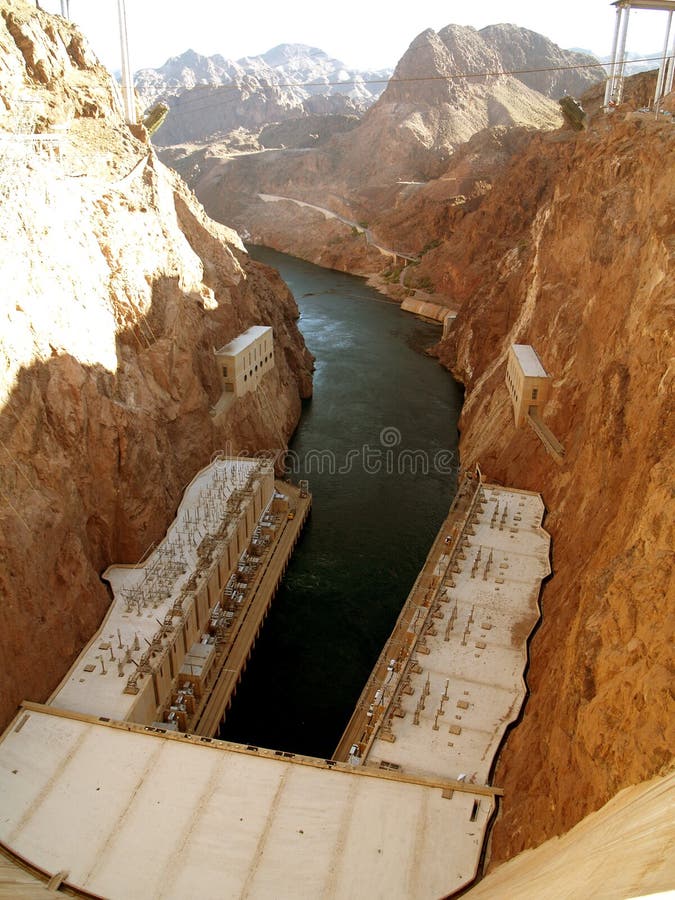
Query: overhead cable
(191, 96)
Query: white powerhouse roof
(481, 659)
(131, 814)
(529, 361)
(244, 340)
(156, 584)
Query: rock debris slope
(116, 289)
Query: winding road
(329, 214)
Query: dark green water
(378, 445)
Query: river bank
(378, 444)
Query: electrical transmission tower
(128, 98)
(664, 83)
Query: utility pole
(128, 97)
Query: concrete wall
(426, 309)
(157, 688)
(525, 391)
(242, 371)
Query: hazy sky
(361, 33)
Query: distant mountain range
(647, 62)
(211, 97)
(301, 71)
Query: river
(378, 444)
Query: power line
(195, 106)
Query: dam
(182, 624)
(118, 785)
(378, 445)
(112, 807)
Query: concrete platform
(220, 562)
(146, 596)
(127, 809)
(450, 679)
(130, 813)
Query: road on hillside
(387, 251)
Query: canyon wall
(116, 290)
(405, 142)
(572, 252)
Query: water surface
(378, 445)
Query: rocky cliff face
(304, 71)
(429, 219)
(431, 107)
(560, 71)
(116, 289)
(572, 251)
(212, 99)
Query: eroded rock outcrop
(116, 289)
(572, 251)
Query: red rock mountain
(116, 289)
(572, 251)
(443, 91)
(431, 105)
